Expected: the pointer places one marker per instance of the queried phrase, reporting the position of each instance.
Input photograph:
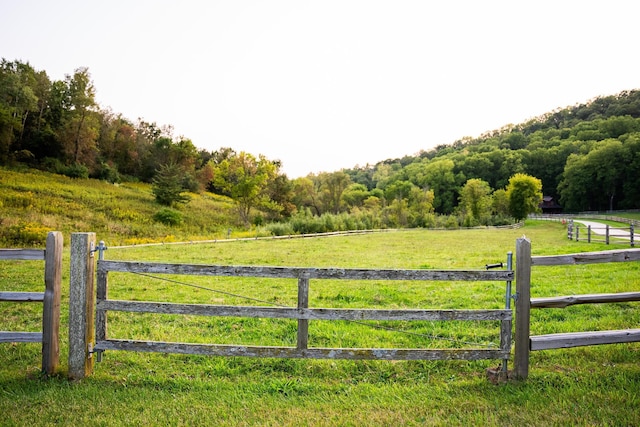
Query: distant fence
(524, 343)
(49, 337)
(603, 234)
(591, 234)
(587, 215)
(82, 354)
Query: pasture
(581, 386)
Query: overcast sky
(325, 85)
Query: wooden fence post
(51, 303)
(303, 324)
(523, 307)
(81, 305)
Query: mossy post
(81, 305)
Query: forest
(586, 156)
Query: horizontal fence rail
(302, 313)
(302, 272)
(50, 298)
(524, 342)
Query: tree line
(585, 156)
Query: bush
(168, 217)
(25, 234)
(75, 171)
(280, 229)
(107, 173)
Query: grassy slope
(33, 203)
(584, 386)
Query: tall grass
(33, 203)
(583, 386)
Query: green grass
(33, 203)
(630, 215)
(583, 386)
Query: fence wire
(272, 303)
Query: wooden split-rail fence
(50, 299)
(88, 309)
(524, 342)
(603, 234)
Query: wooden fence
(604, 234)
(49, 337)
(87, 346)
(524, 343)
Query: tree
(354, 195)
(81, 128)
(500, 203)
(246, 180)
(305, 195)
(592, 181)
(280, 191)
(475, 201)
(167, 185)
(421, 207)
(440, 178)
(332, 185)
(524, 193)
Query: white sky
(325, 85)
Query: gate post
(51, 302)
(81, 305)
(523, 307)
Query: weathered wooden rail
(524, 342)
(302, 313)
(50, 298)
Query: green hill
(33, 203)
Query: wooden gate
(302, 312)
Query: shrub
(168, 217)
(280, 229)
(25, 234)
(107, 173)
(75, 171)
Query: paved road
(599, 228)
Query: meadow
(33, 203)
(581, 386)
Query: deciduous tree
(475, 201)
(246, 180)
(524, 193)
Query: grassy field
(582, 386)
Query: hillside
(33, 203)
(587, 158)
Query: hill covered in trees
(586, 156)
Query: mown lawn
(582, 386)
